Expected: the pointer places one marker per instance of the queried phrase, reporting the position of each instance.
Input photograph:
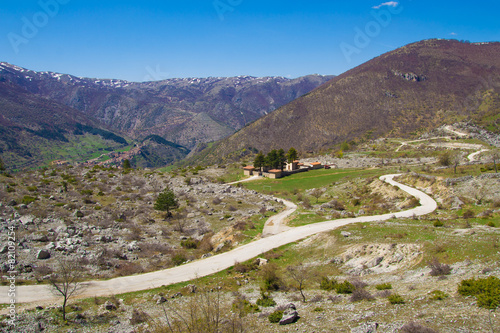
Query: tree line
(275, 159)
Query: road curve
(208, 266)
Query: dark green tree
(292, 155)
(2, 166)
(281, 159)
(260, 161)
(272, 159)
(126, 165)
(166, 201)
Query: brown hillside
(421, 85)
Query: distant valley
(184, 112)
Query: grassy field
(311, 179)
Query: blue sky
(152, 40)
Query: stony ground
(396, 252)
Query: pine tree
(166, 201)
(292, 155)
(260, 160)
(281, 159)
(126, 165)
(2, 167)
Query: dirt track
(43, 294)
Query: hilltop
(413, 89)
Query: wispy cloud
(453, 34)
(388, 4)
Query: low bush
(438, 295)
(190, 243)
(344, 288)
(276, 316)
(395, 299)
(383, 286)
(438, 269)
(28, 199)
(416, 328)
(438, 223)
(327, 284)
(178, 259)
(138, 317)
(487, 291)
(361, 295)
(468, 214)
(244, 307)
(266, 301)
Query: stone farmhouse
(290, 168)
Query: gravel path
(43, 294)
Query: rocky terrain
(104, 217)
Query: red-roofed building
(248, 170)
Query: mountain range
(409, 90)
(43, 112)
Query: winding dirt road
(208, 266)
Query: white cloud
(389, 4)
(453, 34)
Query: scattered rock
(43, 255)
(345, 233)
(365, 328)
(261, 261)
(27, 220)
(79, 214)
(109, 306)
(290, 315)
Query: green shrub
(32, 188)
(270, 278)
(178, 259)
(327, 284)
(276, 316)
(244, 307)
(491, 224)
(486, 290)
(438, 295)
(27, 200)
(344, 288)
(396, 299)
(87, 192)
(383, 286)
(265, 301)
(318, 309)
(438, 223)
(190, 243)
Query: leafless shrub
(128, 268)
(232, 208)
(316, 298)
(357, 283)
(216, 201)
(414, 327)
(384, 293)
(138, 317)
(360, 294)
(337, 205)
(468, 214)
(438, 269)
(334, 298)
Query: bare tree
(317, 193)
(67, 280)
(299, 274)
(495, 155)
